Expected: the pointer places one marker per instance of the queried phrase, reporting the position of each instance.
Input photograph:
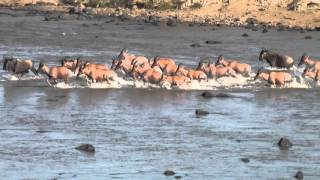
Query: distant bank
(283, 15)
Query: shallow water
(139, 133)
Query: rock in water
(284, 144)
(208, 94)
(169, 173)
(200, 112)
(245, 160)
(299, 175)
(213, 42)
(245, 35)
(86, 147)
(195, 45)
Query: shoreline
(169, 17)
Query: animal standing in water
(54, 73)
(18, 67)
(311, 73)
(240, 68)
(275, 59)
(306, 60)
(279, 78)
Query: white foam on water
(11, 77)
(238, 82)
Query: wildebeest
(305, 59)
(275, 59)
(17, 66)
(241, 68)
(274, 77)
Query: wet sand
(139, 133)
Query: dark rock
(208, 94)
(254, 29)
(299, 175)
(213, 42)
(245, 160)
(169, 173)
(308, 37)
(245, 35)
(190, 24)
(52, 17)
(195, 45)
(264, 30)
(177, 177)
(170, 23)
(42, 131)
(248, 26)
(109, 21)
(86, 147)
(284, 144)
(252, 21)
(317, 28)
(200, 112)
(281, 28)
(155, 23)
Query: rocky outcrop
(28, 2)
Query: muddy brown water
(139, 133)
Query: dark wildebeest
(17, 66)
(275, 59)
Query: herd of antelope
(159, 70)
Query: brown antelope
(275, 59)
(192, 74)
(129, 58)
(305, 59)
(274, 77)
(124, 66)
(176, 80)
(96, 74)
(54, 73)
(95, 65)
(240, 68)
(311, 73)
(125, 56)
(71, 63)
(162, 62)
(147, 73)
(215, 72)
(169, 69)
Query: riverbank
(248, 17)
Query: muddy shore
(285, 21)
